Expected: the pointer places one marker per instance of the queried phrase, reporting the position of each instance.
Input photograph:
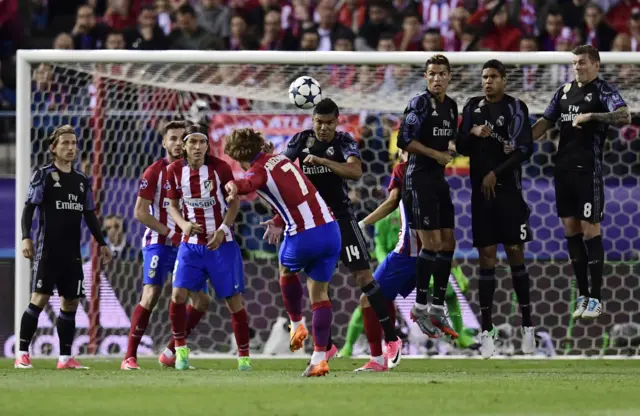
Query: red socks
(178, 317)
(240, 324)
(292, 296)
(193, 319)
(321, 324)
(139, 323)
(373, 330)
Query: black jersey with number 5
(433, 124)
(332, 188)
(580, 149)
(62, 199)
(509, 145)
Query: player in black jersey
(63, 197)
(430, 124)
(496, 134)
(329, 158)
(585, 107)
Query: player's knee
(364, 301)
(487, 257)
(179, 295)
(235, 303)
(318, 291)
(515, 254)
(572, 226)
(363, 277)
(201, 301)
(284, 271)
(150, 296)
(590, 230)
(40, 299)
(69, 305)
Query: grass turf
(422, 387)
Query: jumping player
(496, 134)
(63, 197)
(208, 250)
(312, 236)
(329, 158)
(159, 249)
(585, 107)
(430, 123)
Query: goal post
(129, 89)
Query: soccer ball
(305, 92)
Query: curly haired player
(312, 239)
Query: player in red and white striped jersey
(208, 250)
(312, 236)
(159, 246)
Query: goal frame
(25, 59)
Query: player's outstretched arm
(387, 207)
(141, 213)
(254, 179)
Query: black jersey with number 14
(580, 149)
(332, 188)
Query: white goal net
(118, 103)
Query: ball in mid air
(305, 92)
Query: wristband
(362, 225)
(225, 229)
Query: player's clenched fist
(232, 191)
(27, 248)
(443, 158)
(313, 160)
(106, 254)
(481, 131)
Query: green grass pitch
(274, 387)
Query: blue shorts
(222, 267)
(158, 262)
(396, 275)
(316, 251)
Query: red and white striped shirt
(203, 195)
(291, 194)
(153, 188)
(408, 241)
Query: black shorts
(429, 206)
(501, 220)
(62, 273)
(354, 254)
(580, 195)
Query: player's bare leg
(430, 240)
(579, 260)
(28, 327)
(520, 278)
(595, 260)
(321, 324)
(66, 326)
(441, 272)
(373, 331)
(196, 309)
(486, 288)
(371, 290)
(291, 289)
(139, 323)
(240, 324)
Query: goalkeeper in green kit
(386, 238)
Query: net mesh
(119, 110)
